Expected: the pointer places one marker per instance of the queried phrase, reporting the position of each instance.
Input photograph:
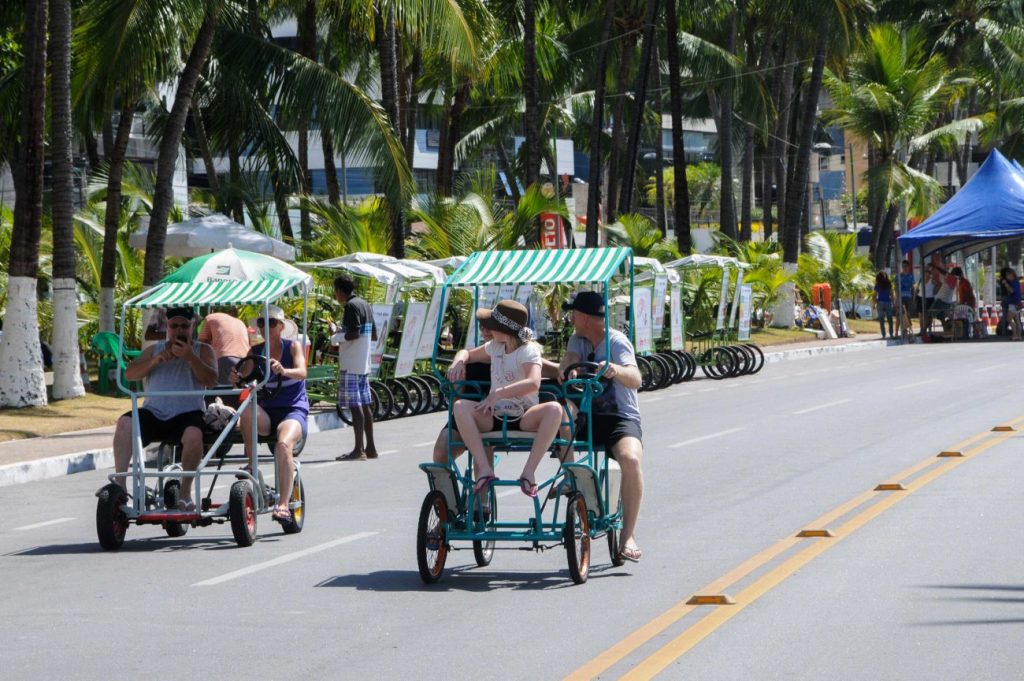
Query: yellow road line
(645, 633)
(674, 649)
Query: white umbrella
(214, 232)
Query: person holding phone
(176, 363)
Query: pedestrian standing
(354, 346)
(1013, 301)
(906, 290)
(883, 294)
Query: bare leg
(357, 426)
(245, 424)
(470, 424)
(628, 452)
(371, 448)
(123, 447)
(544, 420)
(289, 432)
(191, 454)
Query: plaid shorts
(354, 390)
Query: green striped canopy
(561, 266)
(228, 277)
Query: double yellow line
(933, 468)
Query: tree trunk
(681, 189)
(163, 194)
(795, 193)
(235, 176)
(780, 153)
(112, 215)
(67, 376)
(410, 111)
(531, 93)
(307, 48)
(659, 153)
(451, 128)
(639, 104)
(330, 170)
(881, 255)
(597, 126)
(727, 220)
(618, 116)
(280, 199)
(385, 26)
(22, 383)
(747, 195)
(204, 148)
(92, 151)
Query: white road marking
(653, 399)
(914, 385)
(287, 558)
(508, 493)
(424, 444)
(388, 451)
(702, 438)
(704, 390)
(989, 368)
(822, 406)
(43, 524)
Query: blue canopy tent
(988, 210)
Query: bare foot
(354, 455)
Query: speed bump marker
(815, 533)
(1003, 429)
(950, 454)
(715, 599)
(891, 487)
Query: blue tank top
(293, 391)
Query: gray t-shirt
(616, 400)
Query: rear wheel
(483, 551)
(298, 504)
(172, 492)
(645, 373)
(576, 536)
(111, 520)
(431, 546)
(242, 511)
(613, 548)
(404, 403)
(759, 355)
(427, 401)
(382, 399)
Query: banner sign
(746, 292)
(415, 315)
(722, 300)
(429, 334)
(660, 286)
(552, 230)
(642, 318)
(676, 318)
(382, 318)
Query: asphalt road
(923, 583)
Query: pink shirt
(228, 335)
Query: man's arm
(140, 367)
(350, 322)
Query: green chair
(107, 346)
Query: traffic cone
(983, 315)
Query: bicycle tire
(645, 373)
(760, 356)
(675, 365)
(402, 398)
(383, 399)
(439, 399)
(415, 395)
(426, 395)
(739, 360)
(664, 368)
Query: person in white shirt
(516, 363)
(358, 329)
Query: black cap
(587, 302)
(183, 312)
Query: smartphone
(181, 339)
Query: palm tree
(893, 89)
(597, 125)
(643, 236)
(531, 92)
(681, 191)
(833, 257)
(21, 366)
(67, 378)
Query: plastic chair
(111, 356)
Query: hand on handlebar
(276, 367)
(609, 370)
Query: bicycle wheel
(691, 365)
(668, 369)
(438, 398)
(744, 361)
(403, 401)
(426, 396)
(383, 401)
(658, 371)
(760, 357)
(645, 373)
(675, 366)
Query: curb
(98, 459)
(783, 355)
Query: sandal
(528, 487)
(483, 482)
(631, 553)
(186, 506)
(283, 515)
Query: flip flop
(483, 482)
(186, 506)
(280, 515)
(631, 553)
(528, 487)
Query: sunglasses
(273, 322)
(180, 325)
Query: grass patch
(83, 413)
(770, 336)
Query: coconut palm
(21, 368)
(832, 257)
(643, 236)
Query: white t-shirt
(509, 368)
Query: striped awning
(562, 266)
(227, 292)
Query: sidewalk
(57, 455)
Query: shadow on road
(463, 578)
(978, 598)
(139, 545)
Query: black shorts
(154, 429)
(608, 429)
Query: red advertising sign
(552, 231)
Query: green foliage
(832, 257)
(704, 181)
(766, 275)
(643, 236)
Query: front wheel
(483, 551)
(613, 548)
(576, 536)
(111, 520)
(242, 511)
(431, 546)
(298, 504)
(172, 492)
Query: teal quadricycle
(581, 502)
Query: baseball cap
(183, 312)
(587, 302)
